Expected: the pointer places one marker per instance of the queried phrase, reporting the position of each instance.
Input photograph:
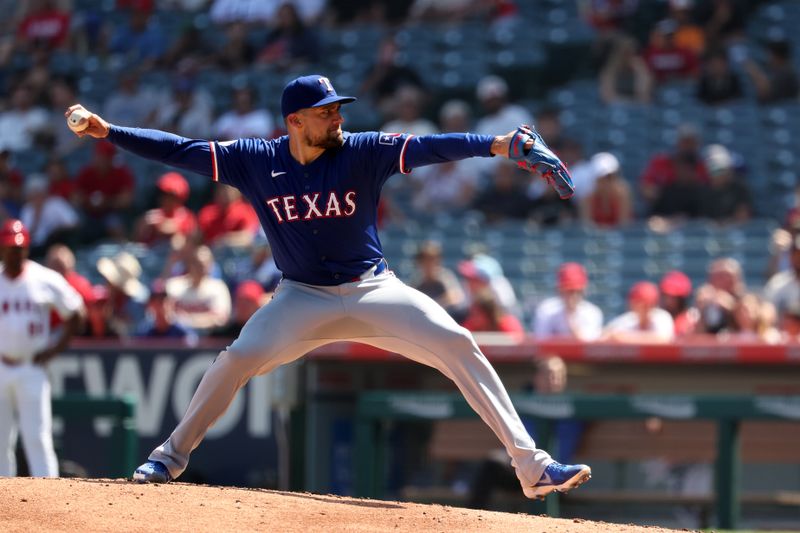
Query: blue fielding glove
(539, 158)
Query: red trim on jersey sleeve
(215, 175)
(403, 157)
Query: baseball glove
(539, 158)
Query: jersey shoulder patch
(388, 139)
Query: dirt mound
(86, 505)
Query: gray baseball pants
(380, 311)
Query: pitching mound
(86, 505)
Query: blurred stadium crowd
(676, 118)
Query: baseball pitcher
(316, 193)
(28, 292)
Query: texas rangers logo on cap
(13, 233)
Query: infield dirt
(116, 505)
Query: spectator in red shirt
(159, 225)
(104, 191)
(662, 168)
(676, 290)
(790, 324)
(250, 297)
(44, 26)
(142, 5)
(610, 203)
(607, 15)
(100, 314)
(61, 259)
(486, 314)
(228, 219)
(61, 183)
(666, 59)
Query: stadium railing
(728, 411)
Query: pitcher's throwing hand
(96, 127)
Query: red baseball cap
(99, 294)
(13, 233)
(174, 183)
(644, 292)
(472, 270)
(572, 277)
(250, 290)
(676, 283)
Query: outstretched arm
(430, 149)
(524, 145)
(173, 150)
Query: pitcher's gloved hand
(539, 158)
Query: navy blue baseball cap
(309, 91)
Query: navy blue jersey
(320, 218)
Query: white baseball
(78, 120)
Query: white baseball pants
(380, 311)
(25, 408)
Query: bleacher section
(544, 55)
(546, 65)
(614, 259)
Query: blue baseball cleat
(540, 158)
(152, 472)
(558, 477)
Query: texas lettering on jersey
(313, 206)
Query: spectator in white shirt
(407, 111)
(131, 103)
(244, 120)
(449, 186)
(227, 11)
(482, 271)
(645, 322)
(568, 315)
(201, 302)
(492, 93)
(783, 289)
(46, 217)
(186, 111)
(22, 121)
